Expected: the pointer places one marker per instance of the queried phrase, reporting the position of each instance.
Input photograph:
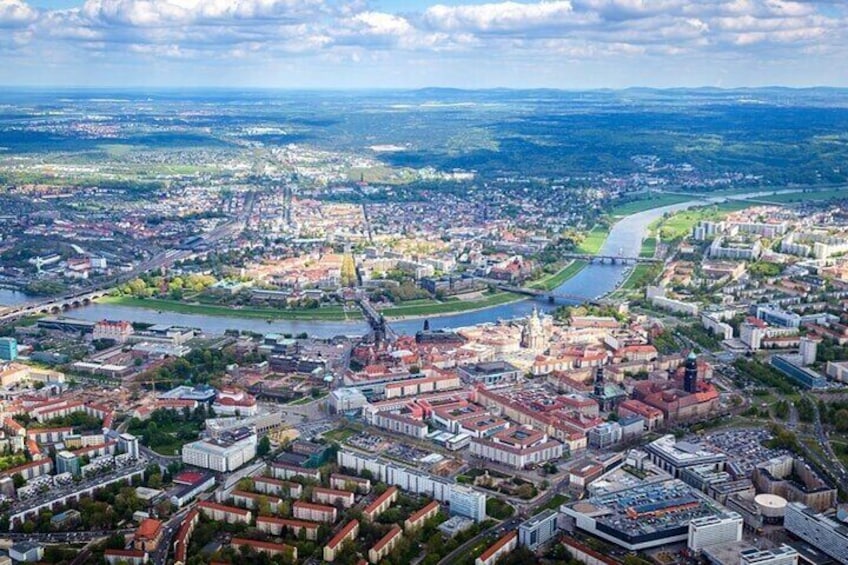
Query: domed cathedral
(534, 335)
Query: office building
(128, 443)
(714, 530)
(8, 349)
(605, 435)
(673, 456)
(467, 502)
(26, 552)
(67, 462)
(817, 530)
(792, 367)
(225, 453)
(538, 530)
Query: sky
(572, 44)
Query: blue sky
(414, 43)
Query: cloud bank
(551, 43)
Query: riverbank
(548, 283)
(329, 313)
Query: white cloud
(263, 31)
(15, 13)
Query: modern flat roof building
(818, 530)
(673, 456)
(644, 516)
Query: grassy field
(649, 246)
(649, 203)
(594, 240)
(550, 282)
(327, 313)
(680, 224)
(639, 277)
(452, 307)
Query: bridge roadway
(614, 259)
(547, 295)
(375, 319)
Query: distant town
(303, 353)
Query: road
(169, 528)
(837, 468)
(498, 529)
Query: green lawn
(640, 276)
(594, 240)
(649, 246)
(325, 313)
(494, 299)
(550, 282)
(651, 202)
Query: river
(625, 239)
(13, 297)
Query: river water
(596, 279)
(13, 297)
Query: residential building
(506, 544)
(271, 549)
(26, 552)
(517, 447)
(268, 485)
(348, 482)
(419, 517)
(348, 532)
(314, 512)
(467, 502)
(125, 556)
(276, 526)
(148, 535)
(380, 504)
(223, 513)
(332, 496)
(385, 546)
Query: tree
(18, 480)
(264, 446)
